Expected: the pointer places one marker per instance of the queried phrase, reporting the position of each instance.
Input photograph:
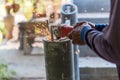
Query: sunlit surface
(9, 45)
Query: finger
(76, 41)
(70, 35)
(79, 24)
(79, 42)
(73, 41)
(93, 26)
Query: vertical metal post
(76, 62)
(69, 1)
(72, 16)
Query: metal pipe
(76, 62)
(69, 12)
(59, 60)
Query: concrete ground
(30, 66)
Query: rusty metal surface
(59, 60)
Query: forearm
(95, 40)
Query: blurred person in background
(9, 19)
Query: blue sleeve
(83, 32)
(100, 27)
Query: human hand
(65, 29)
(79, 23)
(75, 34)
(91, 24)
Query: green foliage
(5, 73)
(2, 28)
